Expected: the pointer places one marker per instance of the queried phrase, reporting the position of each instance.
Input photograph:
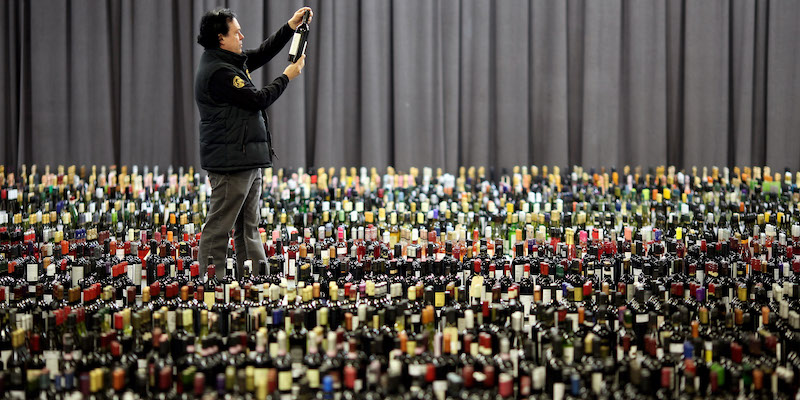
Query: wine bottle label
(51, 358)
(439, 300)
(208, 298)
(558, 390)
(642, 318)
(569, 354)
(519, 269)
(273, 349)
(597, 382)
(77, 274)
(33, 272)
(297, 355)
(260, 375)
(4, 356)
(546, 295)
(313, 378)
(292, 267)
(526, 301)
(439, 389)
(171, 321)
(676, 348)
(285, 381)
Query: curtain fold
(440, 83)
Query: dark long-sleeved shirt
(229, 86)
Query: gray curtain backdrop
(408, 83)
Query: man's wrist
(290, 25)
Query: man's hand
(297, 18)
(293, 70)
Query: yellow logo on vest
(238, 82)
(247, 71)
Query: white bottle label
(77, 274)
(569, 354)
(295, 43)
(4, 356)
(33, 272)
(51, 358)
(558, 389)
(171, 321)
(526, 301)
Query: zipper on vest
(244, 135)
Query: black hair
(212, 24)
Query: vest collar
(238, 60)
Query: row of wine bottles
(670, 285)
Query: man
(235, 141)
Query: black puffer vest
(231, 138)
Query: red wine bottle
(299, 40)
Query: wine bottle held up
(299, 40)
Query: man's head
(220, 29)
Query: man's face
(233, 40)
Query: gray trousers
(234, 205)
